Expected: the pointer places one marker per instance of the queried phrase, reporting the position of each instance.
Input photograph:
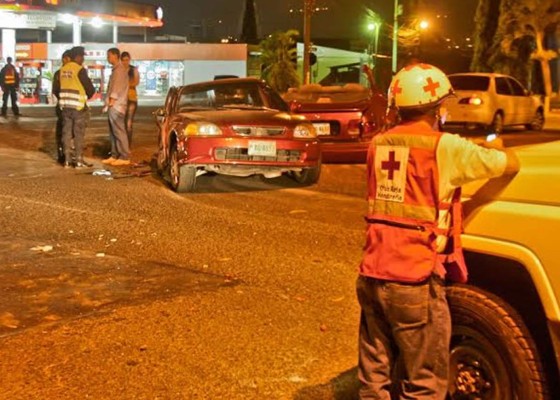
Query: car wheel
(182, 177)
(307, 176)
(537, 123)
(492, 355)
(497, 125)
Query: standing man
(115, 104)
(9, 81)
(66, 58)
(413, 239)
(74, 91)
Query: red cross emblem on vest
(391, 165)
(431, 87)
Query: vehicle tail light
(354, 126)
(473, 101)
(368, 127)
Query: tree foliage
(278, 52)
(517, 39)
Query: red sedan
(346, 118)
(237, 127)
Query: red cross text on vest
(431, 87)
(391, 165)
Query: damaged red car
(238, 127)
(345, 117)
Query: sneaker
(66, 164)
(118, 163)
(109, 160)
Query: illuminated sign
(27, 21)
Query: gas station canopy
(47, 14)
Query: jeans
(119, 139)
(73, 126)
(9, 91)
(405, 332)
(129, 119)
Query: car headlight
(305, 131)
(202, 129)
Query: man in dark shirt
(72, 90)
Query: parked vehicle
(506, 320)
(492, 101)
(234, 127)
(345, 118)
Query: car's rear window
(469, 82)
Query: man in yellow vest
(9, 81)
(56, 91)
(75, 89)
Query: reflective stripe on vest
(10, 75)
(72, 92)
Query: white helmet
(417, 86)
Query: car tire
(307, 176)
(497, 125)
(537, 124)
(492, 354)
(182, 177)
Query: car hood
(538, 180)
(243, 117)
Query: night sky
(344, 19)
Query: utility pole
(308, 8)
(398, 11)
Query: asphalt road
(117, 288)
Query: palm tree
(278, 53)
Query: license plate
(323, 129)
(262, 148)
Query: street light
(374, 27)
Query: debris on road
(44, 249)
(102, 172)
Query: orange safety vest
(9, 75)
(404, 207)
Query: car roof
(486, 74)
(225, 82)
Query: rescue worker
(9, 81)
(56, 92)
(75, 89)
(413, 239)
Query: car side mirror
(294, 106)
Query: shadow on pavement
(343, 387)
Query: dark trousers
(58, 135)
(9, 91)
(73, 126)
(405, 332)
(129, 119)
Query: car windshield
(228, 95)
(314, 93)
(469, 82)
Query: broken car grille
(233, 154)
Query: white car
(492, 101)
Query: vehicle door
(523, 102)
(163, 115)
(505, 100)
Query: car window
(470, 82)
(229, 94)
(518, 89)
(502, 86)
